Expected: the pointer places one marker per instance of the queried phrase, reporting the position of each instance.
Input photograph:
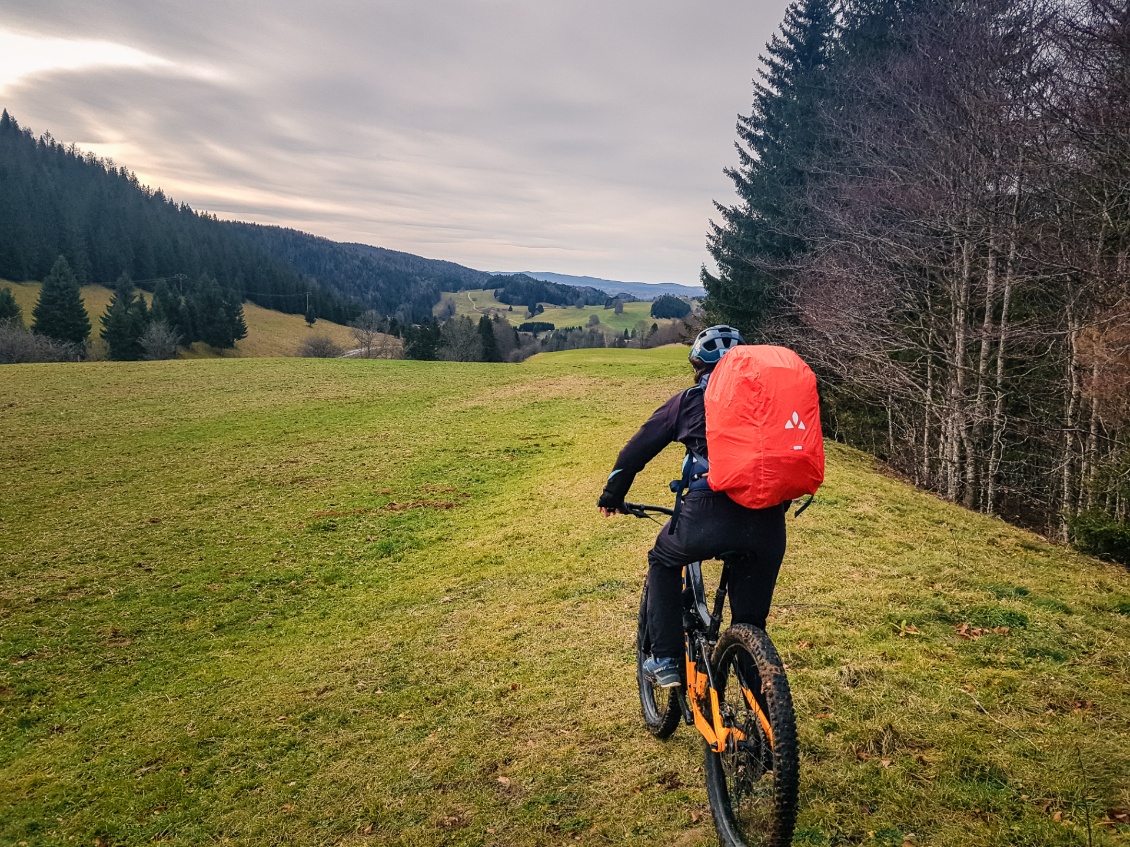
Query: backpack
(763, 435)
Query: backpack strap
(695, 469)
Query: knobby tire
(660, 706)
(752, 786)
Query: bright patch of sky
(26, 55)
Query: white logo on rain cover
(795, 423)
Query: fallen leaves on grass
(460, 820)
(1116, 817)
(670, 781)
(972, 633)
(904, 629)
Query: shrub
(319, 347)
(159, 341)
(1099, 534)
(19, 345)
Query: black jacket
(682, 419)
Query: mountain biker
(707, 524)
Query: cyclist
(707, 523)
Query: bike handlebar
(640, 510)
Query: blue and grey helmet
(712, 343)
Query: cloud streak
(581, 137)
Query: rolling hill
(269, 333)
(483, 302)
(361, 602)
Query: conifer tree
(59, 313)
(216, 313)
(779, 146)
(168, 308)
(421, 341)
(125, 322)
(10, 312)
(490, 343)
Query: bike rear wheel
(660, 706)
(752, 785)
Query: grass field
(269, 333)
(280, 601)
(480, 302)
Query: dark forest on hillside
(522, 290)
(58, 201)
(933, 208)
(399, 285)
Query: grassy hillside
(268, 333)
(362, 602)
(483, 302)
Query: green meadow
(482, 302)
(358, 602)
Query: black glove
(615, 490)
(610, 501)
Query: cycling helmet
(712, 343)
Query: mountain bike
(735, 693)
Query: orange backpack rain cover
(763, 437)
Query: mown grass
(269, 333)
(370, 602)
(482, 301)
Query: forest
(522, 290)
(933, 208)
(400, 285)
(58, 201)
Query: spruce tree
(59, 313)
(10, 312)
(490, 343)
(168, 308)
(125, 322)
(216, 313)
(421, 341)
(779, 146)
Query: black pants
(711, 524)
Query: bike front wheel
(660, 706)
(752, 784)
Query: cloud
(23, 56)
(581, 137)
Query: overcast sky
(582, 137)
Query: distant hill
(521, 289)
(393, 283)
(642, 290)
